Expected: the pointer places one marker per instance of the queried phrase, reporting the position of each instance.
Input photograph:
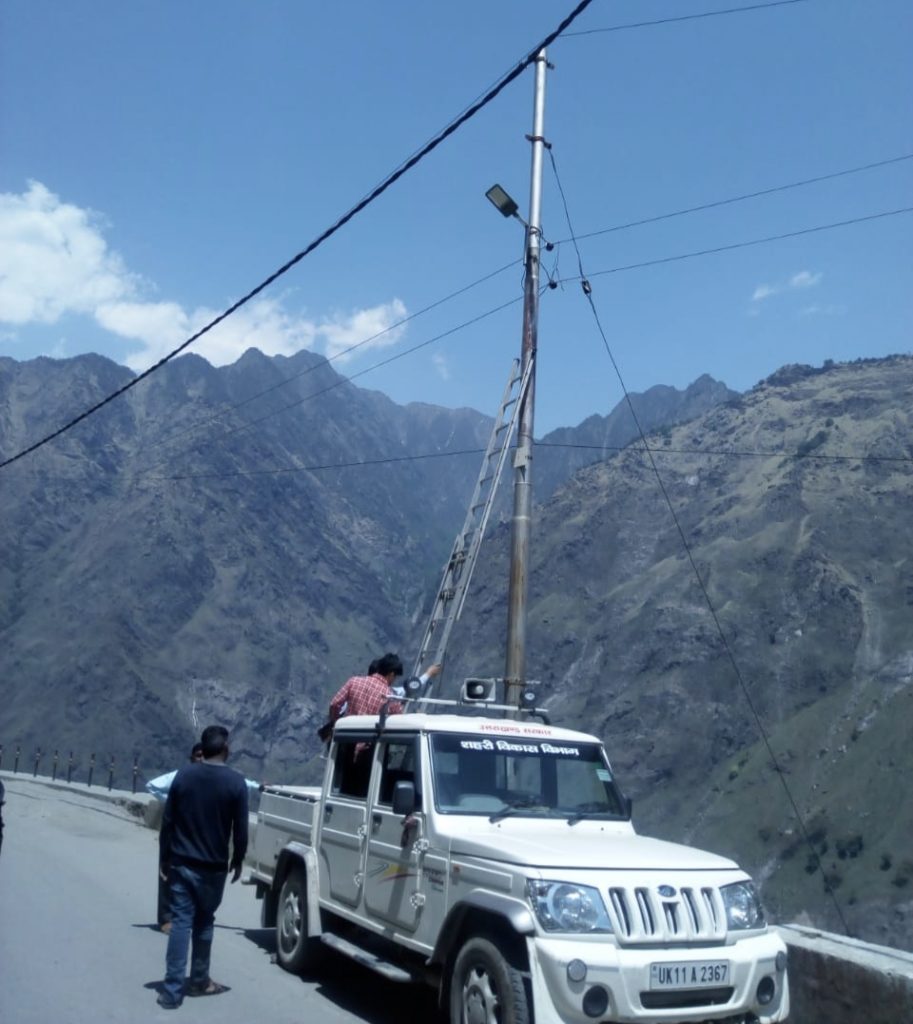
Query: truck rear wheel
(296, 951)
(485, 988)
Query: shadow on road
(359, 991)
(264, 938)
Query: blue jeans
(195, 897)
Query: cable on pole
(375, 193)
(684, 17)
(716, 203)
(345, 380)
(778, 769)
(746, 244)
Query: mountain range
(726, 601)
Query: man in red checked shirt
(366, 695)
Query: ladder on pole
(448, 604)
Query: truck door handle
(376, 819)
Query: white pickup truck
(495, 859)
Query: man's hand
(163, 874)
(433, 670)
(236, 874)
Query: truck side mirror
(404, 798)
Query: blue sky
(161, 158)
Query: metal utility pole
(515, 667)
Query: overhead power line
(375, 193)
(683, 17)
(330, 359)
(616, 449)
(177, 435)
(742, 245)
(689, 554)
(714, 204)
(582, 278)
(356, 464)
(347, 380)
(735, 453)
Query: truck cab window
(352, 768)
(398, 764)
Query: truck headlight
(743, 906)
(568, 907)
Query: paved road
(78, 946)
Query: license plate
(689, 974)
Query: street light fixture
(502, 201)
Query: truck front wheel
(296, 951)
(485, 988)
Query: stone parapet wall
(837, 980)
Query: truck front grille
(643, 914)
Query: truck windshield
(522, 777)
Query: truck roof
(422, 722)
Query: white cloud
(162, 326)
(54, 261)
(439, 361)
(376, 325)
(822, 310)
(763, 291)
(802, 279)
(805, 279)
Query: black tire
(485, 988)
(296, 951)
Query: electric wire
(683, 17)
(730, 453)
(588, 294)
(715, 204)
(342, 381)
(745, 244)
(554, 281)
(552, 274)
(178, 434)
(375, 193)
(615, 449)
(419, 456)
(584, 279)
(355, 464)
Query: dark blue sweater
(206, 807)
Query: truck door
(393, 874)
(343, 828)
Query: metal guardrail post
(111, 774)
(37, 759)
(91, 770)
(135, 768)
(16, 762)
(1, 755)
(54, 768)
(70, 767)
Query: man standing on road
(205, 810)
(159, 787)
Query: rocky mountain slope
(219, 544)
(156, 575)
(730, 613)
(733, 613)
